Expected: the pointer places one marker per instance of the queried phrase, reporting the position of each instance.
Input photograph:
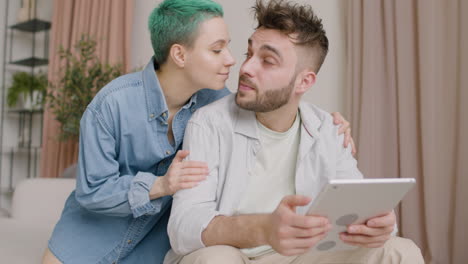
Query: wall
(328, 93)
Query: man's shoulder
(208, 96)
(221, 110)
(316, 115)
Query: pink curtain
(408, 86)
(109, 22)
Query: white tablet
(354, 201)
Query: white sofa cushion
(36, 207)
(41, 199)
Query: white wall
(328, 93)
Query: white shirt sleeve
(193, 209)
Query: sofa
(36, 207)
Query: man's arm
(285, 231)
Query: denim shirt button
(129, 241)
(151, 115)
(168, 152)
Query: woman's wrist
(157, 190)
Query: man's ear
(178, 55)
(305, 80)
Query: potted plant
(27, 91)
(82, 76)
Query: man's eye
(217, 51)
(247, 55)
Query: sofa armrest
(41, 199)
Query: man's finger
(310, 232)
(307, 221)
(369, 231)
(295, 200)
(181, 155)
(382, 221)
(306, 243)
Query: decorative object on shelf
(26, 11)
(81, 77)
(27, 91)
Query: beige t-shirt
(273, 175)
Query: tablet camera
(327, 245)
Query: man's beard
(268, 101)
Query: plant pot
(25, 102)
(26, 11)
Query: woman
(129, 164)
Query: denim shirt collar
(155, 99)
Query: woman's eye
(217, 51)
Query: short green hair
(177, 21)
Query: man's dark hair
(298, 22)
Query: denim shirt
(123, 148)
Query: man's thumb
(292, 201)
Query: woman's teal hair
(177, 21)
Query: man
(129, 136)
(268, 153)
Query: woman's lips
(225, 75)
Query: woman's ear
(178, 55)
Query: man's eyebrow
(272, 49)
(269, 48)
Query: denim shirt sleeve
(100, 186)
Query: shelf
(8, 150)
(33, 25)
(25, 111)
(31, 62)
(12, 68)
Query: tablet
(354, 201)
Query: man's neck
(176, 90)
(281, 119)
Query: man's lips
(244, 87)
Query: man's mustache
(246, 80)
